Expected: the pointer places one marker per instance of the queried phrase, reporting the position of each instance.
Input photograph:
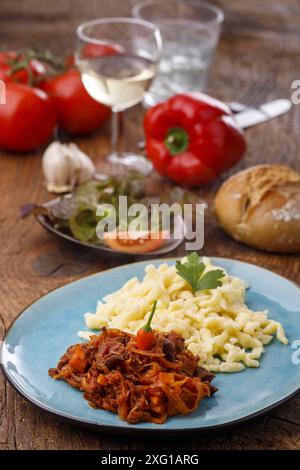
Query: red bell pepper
(192, 138)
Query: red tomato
(27, 120)
(95, 50)
(77, 112)
(143, 244)
(100, 50)
(36, 68)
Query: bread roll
(260, 206)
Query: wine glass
(118, 59)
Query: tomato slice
(136, 242)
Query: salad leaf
(75, 212)
(83, 225)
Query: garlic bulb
(65, 165)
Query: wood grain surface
(260, 42)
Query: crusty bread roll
(260, 206)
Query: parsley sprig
(193, 272)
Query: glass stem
(117, 133)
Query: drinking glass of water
(190, 32)
(118, 59)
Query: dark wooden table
(260, 42)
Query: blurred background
(52, 23)
(259, 42)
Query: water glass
(190, 32)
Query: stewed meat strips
(138, 385)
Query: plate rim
(119, 429)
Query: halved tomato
(136, 242)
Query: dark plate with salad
(73, 217)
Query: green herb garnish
(193, 272)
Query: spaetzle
(216, 324)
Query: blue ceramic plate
(41, 334)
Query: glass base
(132, 161)
(153, 98)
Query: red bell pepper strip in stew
(192, 138)
(78, 361)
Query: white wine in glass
(118, 59)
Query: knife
(252, 116)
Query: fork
(253, 96)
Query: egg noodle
(216, 324)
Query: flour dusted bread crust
(260, 206)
